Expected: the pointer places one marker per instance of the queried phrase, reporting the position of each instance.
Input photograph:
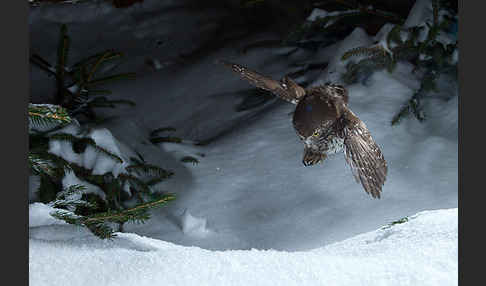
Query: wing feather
(363, 155)
(286, 89)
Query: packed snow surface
(422, 251)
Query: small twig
(128, 211)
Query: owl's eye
(316, 133)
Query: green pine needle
(108, 153)
(189, 159)
(365, 51)
(166, 139)
(47, 115)
(109, 55)
(400, 221)
(82, 75)
(39, 165)
(149, 170)
(43, 65)
(155, 132)
(111, 78)
(62, 51)
(404, 111)
(394, 36)
(135, 182)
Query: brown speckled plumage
(326, 125)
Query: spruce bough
(99, 214)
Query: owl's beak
(311, 157)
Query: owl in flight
(326, 126)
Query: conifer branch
(111, 78)
(394, 36)
(163, 129)
(135, 182)
(59, 164)
(98, 223)
(71, 198)
(189, 159)
(129, 214)
(39, 165)
(64, 137)
(85, 141)
(167, 139)
(96, 65)
(109, 55)
(74, 84)
(46, 115)
(372, 51)
(43, 64)
(371, 11)
(150, 170)
(430, 55)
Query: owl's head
(319, 137)
(319, 144)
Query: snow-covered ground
(250, 189)
(422, 251)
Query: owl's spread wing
(363, 154)
(286, 89)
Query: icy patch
(422, 251)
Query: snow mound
(90, 158)
(193, 225)
(421, 251)
(39, 215)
